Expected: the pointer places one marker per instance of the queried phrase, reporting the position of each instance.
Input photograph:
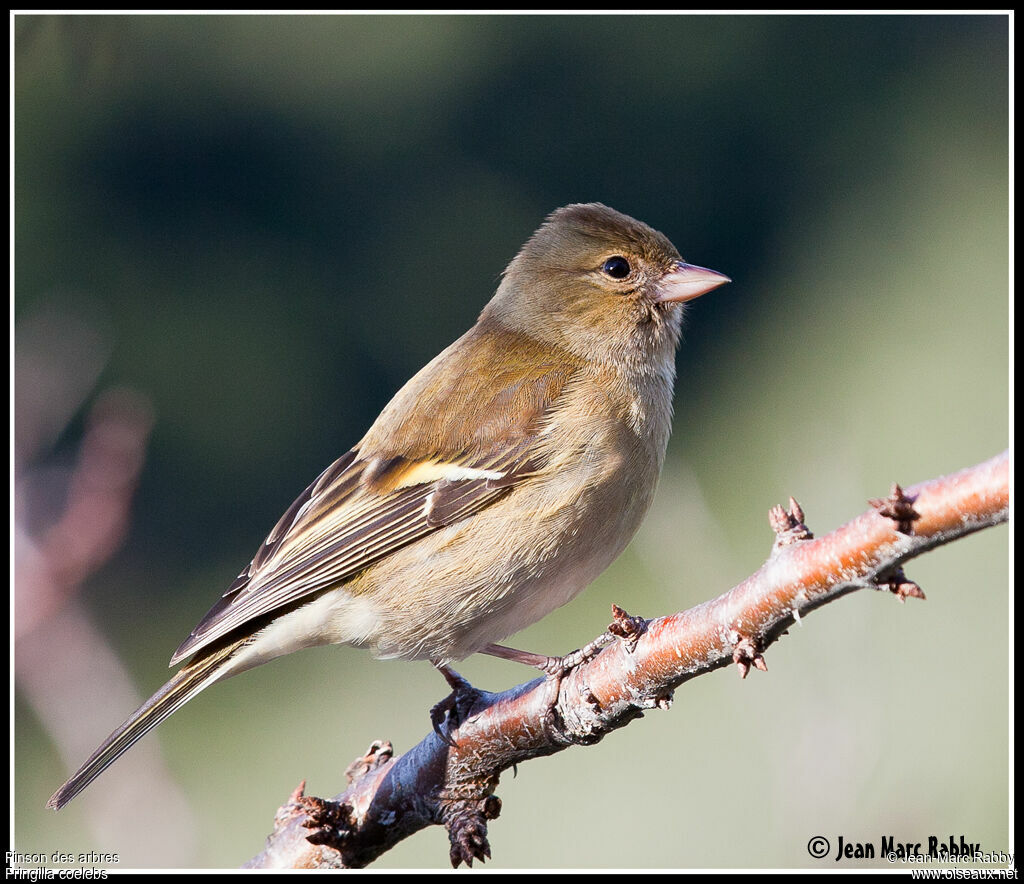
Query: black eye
(616, 267)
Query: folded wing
(368, 504)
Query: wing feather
(395, 486)
(341, 528)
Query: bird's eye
(616, 267)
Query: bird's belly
(527, 603)
(471, 590)
(483, 579)
(332, 617)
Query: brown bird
(498, 483)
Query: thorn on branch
(465, 811)
(898, 506)
(788, 525)
(330, 821)
(746, 653)
(292, 807)
(897, 583)
(380, 752)
(627, 628)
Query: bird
(499, 482)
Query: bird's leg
(623, 626)
(462, 693)
(553, 666)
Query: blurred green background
(273, 221)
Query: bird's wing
(368, 504)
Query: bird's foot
(623, 626)
(456, 707)
(555, 667)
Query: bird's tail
(188, 682)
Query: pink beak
(684, 282)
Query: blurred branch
(390, 798)
(95, 517)
(69, 522)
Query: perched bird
(498, 483)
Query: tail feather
(172, 696)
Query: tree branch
(390, 798)
(70, 521)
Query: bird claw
(455, 708)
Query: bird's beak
(684, 282)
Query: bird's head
(600, 284)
